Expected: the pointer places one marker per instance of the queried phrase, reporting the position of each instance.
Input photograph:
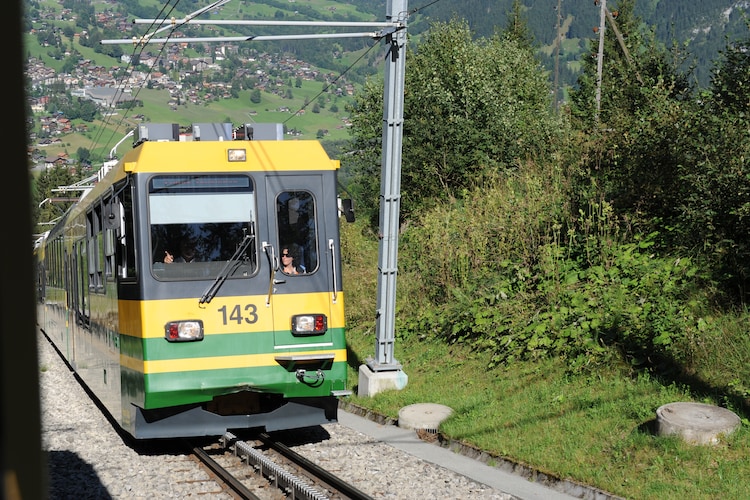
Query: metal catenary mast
(382, 371)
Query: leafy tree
(83, 154)
(362, 166)
(46, 38)
(714, 204)
(730, 82)
(517, 28)
(668, 160)
(84, 109)
(472, 108)
(643, 103)
(70, 64)
(46, 182)
(619, 73)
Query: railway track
(266, 469)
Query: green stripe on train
(172, 389)
(215, 345)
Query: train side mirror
(347, 207)
(111, 215)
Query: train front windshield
(199, 223)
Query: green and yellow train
(226, 340)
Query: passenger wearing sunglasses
(288, 258)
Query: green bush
(496, 272)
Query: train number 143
(238, 313)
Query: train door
(298, 235)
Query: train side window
(51, 258)
(58, 266)
(83, 312)
(109, 253)
(110, 222)
(88, 254)
(126, 263)
(95, 250)
(295, 218)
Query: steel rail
(231, 481)
(332, 480)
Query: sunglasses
(286, 255)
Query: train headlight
(309, 324)
(236, 155)
(184, 331)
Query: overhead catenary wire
(137, 51)
(171, 24)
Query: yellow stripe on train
(260, 156)
(217, 362)
(224, 315)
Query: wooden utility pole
(606, 15)
(621, 41)
(558, 42)
(600, 56)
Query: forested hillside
(701, 28)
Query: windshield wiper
(228, 268)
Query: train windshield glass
(197, 224)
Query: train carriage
(225, 340)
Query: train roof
(219, 147)
(207, 147)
